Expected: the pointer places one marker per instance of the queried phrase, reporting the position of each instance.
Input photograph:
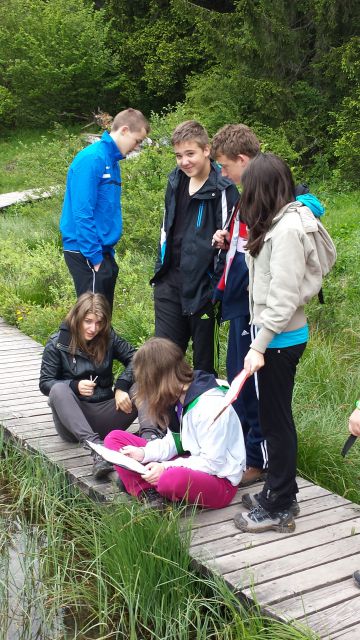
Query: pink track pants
(175, 483)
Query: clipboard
(118, 458)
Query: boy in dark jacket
(198, 201)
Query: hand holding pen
(221, 237)
(86, 387)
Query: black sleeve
(51, 368)
(124, 352)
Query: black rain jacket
(59, 365)
(200, 264)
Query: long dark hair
(160, 372)
(267, 187)
(90, 303)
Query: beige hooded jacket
(285, 275)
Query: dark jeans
(247, 405)
(78, 420)
(276, 384)
(87, 279)
(202, 327)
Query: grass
(115, 572)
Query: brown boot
(252, 475)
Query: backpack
(324, 245)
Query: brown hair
(133, 119)
(190, 130)
(233, 140)
(90, 303)
(267, 187)
(160, 372)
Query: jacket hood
(214, 181)
(202, 382)
(307, 218)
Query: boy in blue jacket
(234, 146)
(91, 222)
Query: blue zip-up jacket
(91, 220)
(235, 298)
(200, 266)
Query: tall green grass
(89, 571)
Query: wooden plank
(290, 564)
(351, 633)
(28, 195)
(215, 516)
(316, 600)
(333, 618)
(312, 544)
(276, 590)
(227, 528)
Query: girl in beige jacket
(284, 274)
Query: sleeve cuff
(74, 386)
(262, 340)
(123, 385)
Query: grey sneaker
(258, 519)
(251, 500)
(101, 468)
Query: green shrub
(53, 57)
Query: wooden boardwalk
(304, 576)
(7, 199)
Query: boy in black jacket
(198, 201)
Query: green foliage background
(289, 69)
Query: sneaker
(251, 475)
(151, 499)
(101, 468)
(258, 519)
(251, 500)
(151, 433)
(356, 577)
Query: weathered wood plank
(287, 557)
(284, 587)
(227, 528)
(351, 633)
(21, 197)
(317, 600)
(340, 615)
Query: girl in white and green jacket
(198, 460)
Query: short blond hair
(190, 130)
(132, 118)
(233, 140)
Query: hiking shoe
(101, 468)
(258, 519)
(356, 577)
(151, 499)
(251, 500)
(251, 475)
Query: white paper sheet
(115, 457)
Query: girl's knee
(115, 440)
(59, 391)
(174, 481)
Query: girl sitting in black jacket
(76, 374)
